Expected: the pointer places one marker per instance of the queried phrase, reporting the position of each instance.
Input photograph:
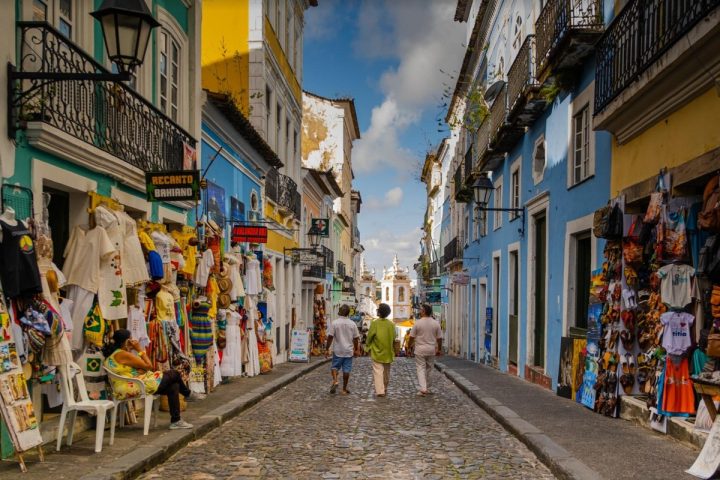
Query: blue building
(531, 135)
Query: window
(169, 75)
(268, 111)
(65, 18)
(59, 13)
(498, 203)
(482, 224)
(466, 227)
(517, 42)
(401, 294)
(39, 10)
(387, 294)
(500, 71)
(515, 191)
(295, 142)
(583, 256)
(539, 160)
(278, 125)
(581, 145)
(287, 138)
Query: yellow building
(662, 101)
(252, 51)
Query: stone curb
(154, 453)
(556, 458)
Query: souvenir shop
(193, 303)
(654, 313)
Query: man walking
(380, 340)
(428, 343)
(344, 333)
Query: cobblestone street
(304, 432)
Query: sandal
(627, 337)
(627, 381)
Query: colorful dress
(123, 389)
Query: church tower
(396, 290)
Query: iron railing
(560, 17)
(282, 190)
(340, 269)
(433, 269)
(468, 160)
(329, 257)
(106, 114)
(314, 272)
(642, 32)
(498, 113)
(483, 140)
(521, 75)
(451, 251)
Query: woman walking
(380, 339)
(427, 336)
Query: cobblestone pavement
(304, 432)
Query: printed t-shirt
(676, 337)
(675, 288)
(426, 332)
(344, 331)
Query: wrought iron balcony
(504, 135)
(340, 270)
(433, 270)
(329, 257)
(462, 193)
(566, 31)
(282, 190)
(641, 33)
(524, 105)
(314, 272)
(105, 114)
(452, 251)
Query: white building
(396, 291)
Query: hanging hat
(224, 300)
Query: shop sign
(432, 298)
(308, 257)
(249, 233)
(172, 185)
(460, 278)
(347, 298)
(321, 226)
(300, 346)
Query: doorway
(473, 321)
(481, 321)
(513, 307)
(583, 259)
(539, 253)
(495, 306)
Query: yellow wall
(276, 241)
(282, 60)
(684, 135)
(225, 50)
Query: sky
(395, 58)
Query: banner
(308, 257)
(172, 186)
(300, 346)
(460, 278)
(249, 234)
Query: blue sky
(389, 55)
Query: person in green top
(379, 343)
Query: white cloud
(423, 37)
(381, 248)
(392, 198)
(321, 23)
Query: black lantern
(482, 189)
(346, 283)
(126, 26)
(314, 237)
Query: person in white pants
(427, 336)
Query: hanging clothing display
(19, 272)
(234, 262)
(83, 253)
(112, 296)
(676, 335)
(82, 303)
(676, 287)
(137, 326)
(253, 283)
(201, 334)
(678, 396)
(231, 365)
(134, 269)
(204, 266)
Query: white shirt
(676, 337)
(344, 331)
(426, 333)
(675, 288)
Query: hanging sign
(300, 346)
(320, 226)
(172, 186)
(249, 234)
(308, 257)
(433, 298)
(460, 278)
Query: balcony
(125, 128)
(314, 272)
(648, 62)
(340, 269)
(329, 257)
(433, 270)
(452, 252)
(524, 104)
(282, 190)
(503, 134)
(566, 31)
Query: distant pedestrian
(346, 337)
(380, 340)
(408, 344)
(427, 335)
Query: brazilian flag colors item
(95, 326)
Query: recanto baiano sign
(172, 185)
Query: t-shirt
(344, 331)
(675, 288)
(676, 337)
(426, 332)
(380, 338)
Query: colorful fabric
(123, 389)
(201, 335)
(95, 326)
(678, 394)
(381, 336)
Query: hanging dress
(235, 262)
(253, 366)
(134, 269)
(231, 365)
(201, 334)
(112, 296)
(253, 282)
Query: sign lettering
(172, 186)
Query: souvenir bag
(632, 248)
(95, 377)
(675, 236)
(608, 222)
(709, 216)
(654, 210)
(95, 326)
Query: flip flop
(334, 388)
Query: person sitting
(125, 357)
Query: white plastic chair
(120, 405)
(70, 375)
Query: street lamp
(126, 26)
(314, 237)
(482, 190)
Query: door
(473, 322)
(539, 255)
(514, 307)
(482, 301)
(583, 257)
(495, 306)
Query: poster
(565, 378)
(215, 204)
(237, 210)
(300, 346)
(15, 403)
(594, 333)
(578, 365)
(487, 343)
